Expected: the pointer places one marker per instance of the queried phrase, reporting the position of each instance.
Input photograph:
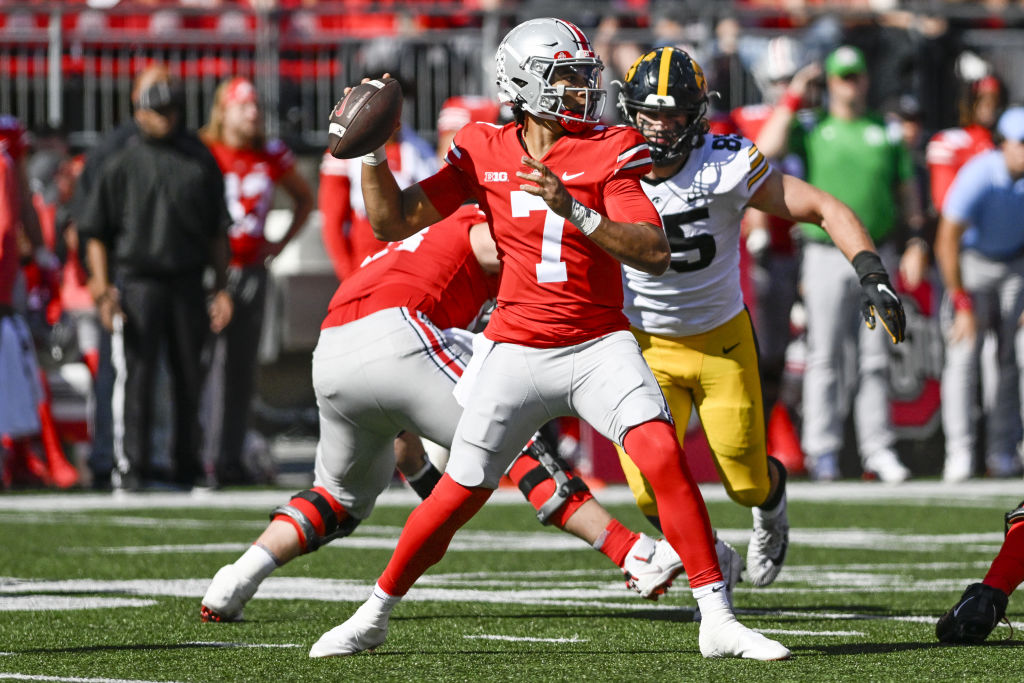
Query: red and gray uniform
(557, 342)
(383, 364)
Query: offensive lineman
(382, 365)
(690, 322)
(557, 343)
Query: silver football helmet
(537, 53)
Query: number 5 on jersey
(551, 268)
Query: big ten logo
(495, 176)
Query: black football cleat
(970, 621)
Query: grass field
(93, 589)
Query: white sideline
(985, 492)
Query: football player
(983, 605)
(382, 366)
(690, 322)
(563, 200)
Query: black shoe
(980, 608)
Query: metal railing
(72, 68)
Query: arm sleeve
(626, 202)
(335, 214)
(96, 219)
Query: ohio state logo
(562, 54)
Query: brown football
(365, 118)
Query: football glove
(970, 621)
(879, 301)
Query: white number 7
(551, 268)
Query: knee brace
(538, 465)
(1014, 516)
(317, 517)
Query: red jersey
(558, 287)
(434, 272)
(249, 179)
(950, 149)
(10, 206)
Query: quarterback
(563, 200)
(690, 322)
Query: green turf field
(93, 589)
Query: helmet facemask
(668, 144)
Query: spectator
(345, 229)
(157, 216)
(252, 167)
(980, 251)
(847, 153)
(19, 374)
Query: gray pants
(835, 328)
(997, 292)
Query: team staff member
(979, 248)
(557, 343)
(691, 322)
(157, 216)
(253, 167)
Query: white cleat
(226, 596)
(731, 564)
(651, 566)
(768, 544)
(364, 630)
(887, 467)
(729, 638)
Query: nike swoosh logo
(727, 349)
(718, 590)
(883, 288)
(566, 177)
(961, 605)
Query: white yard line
(525, 639)
(976, 493)
(6, 675)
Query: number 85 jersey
(701, 208)
(557, 287)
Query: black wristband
(868, 263)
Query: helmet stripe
(666, 62)
(580, 36)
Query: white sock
(712, 602)
(378, 606)
(256, 563)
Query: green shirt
(858, 163)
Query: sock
(615, 541)
(428, 531)
(256, 563)
(772, 505)
(684, 517)
(424, 481)
(1007, 570)
(712, 603)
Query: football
(365, 118)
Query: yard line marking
(976, 493)
(213, 643)
(70, 679)
(795, 632)
(60, 603)
(526, 639)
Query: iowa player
(690, 321)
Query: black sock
(425, 481)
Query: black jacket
(157, 205)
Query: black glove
(879, 298)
